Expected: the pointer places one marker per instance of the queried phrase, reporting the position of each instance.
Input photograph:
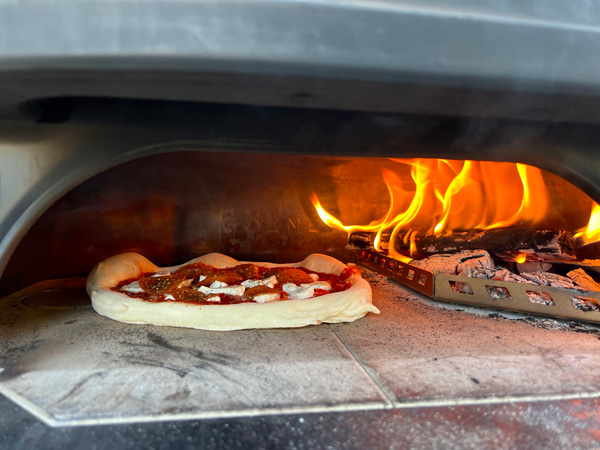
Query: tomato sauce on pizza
(201, 283)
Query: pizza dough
(344, 306)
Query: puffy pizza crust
(345, 306)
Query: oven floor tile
(73, 366)
(420, 353)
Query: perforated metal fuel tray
(504, 295)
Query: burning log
(501, 240)
(547, 242)
(365, 240)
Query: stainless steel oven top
(532, 60)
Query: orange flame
(591, 233)
(521, 258)
(450, 195)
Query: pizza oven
(271, 130)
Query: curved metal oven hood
(533, 61)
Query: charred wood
(541, 242)
(365, 240)
(586, 304)
(498, 292)
(534, 266)
(477, 267)
(547, 242)
(479, 264)
(507, 275)
(583, 280)
(466, 263)
(549, 279)
(589, 251)
(539, 297)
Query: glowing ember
(521, 258)
(450, 195)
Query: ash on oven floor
(71, 366)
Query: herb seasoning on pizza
(216, 292)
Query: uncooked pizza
(216, 292)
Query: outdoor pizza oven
(279, 130)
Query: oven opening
(345, 185)
(474, 232)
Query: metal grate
(505, 295)
(414, 277)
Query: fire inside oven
(277, 185)
(497, 234)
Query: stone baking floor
(71, 366)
